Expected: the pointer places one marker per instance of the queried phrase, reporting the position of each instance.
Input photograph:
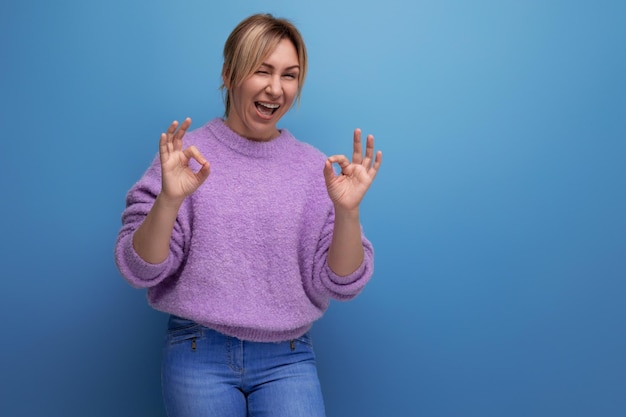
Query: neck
(265, 138)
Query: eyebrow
(264, 64)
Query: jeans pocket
(304, 340)
(180, 330)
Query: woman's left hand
(348, 188)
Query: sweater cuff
(349, 286)
(138, 272)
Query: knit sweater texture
(248, 253)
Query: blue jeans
(206, 373)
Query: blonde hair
(252, 41)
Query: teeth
(269, 105)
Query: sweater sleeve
(139, 201)
(337, 287)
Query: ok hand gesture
(177, 177)
(348, 188)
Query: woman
(246, 252)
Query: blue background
(498, 216)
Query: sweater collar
(252, 148)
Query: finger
(182, 129)
(193, 153)
(345, 166)
(169, 134)
(357, 153)
(374, 169)
(369, 152)
(172, 128)
(163, 147)
(329, 172)
(340, 160)
(203, 172)
(180, 133)
(205, 169)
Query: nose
(274, 87)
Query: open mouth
(266, 109)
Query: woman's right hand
(177, 177)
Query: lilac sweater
(248, 254)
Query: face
(265, 96)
